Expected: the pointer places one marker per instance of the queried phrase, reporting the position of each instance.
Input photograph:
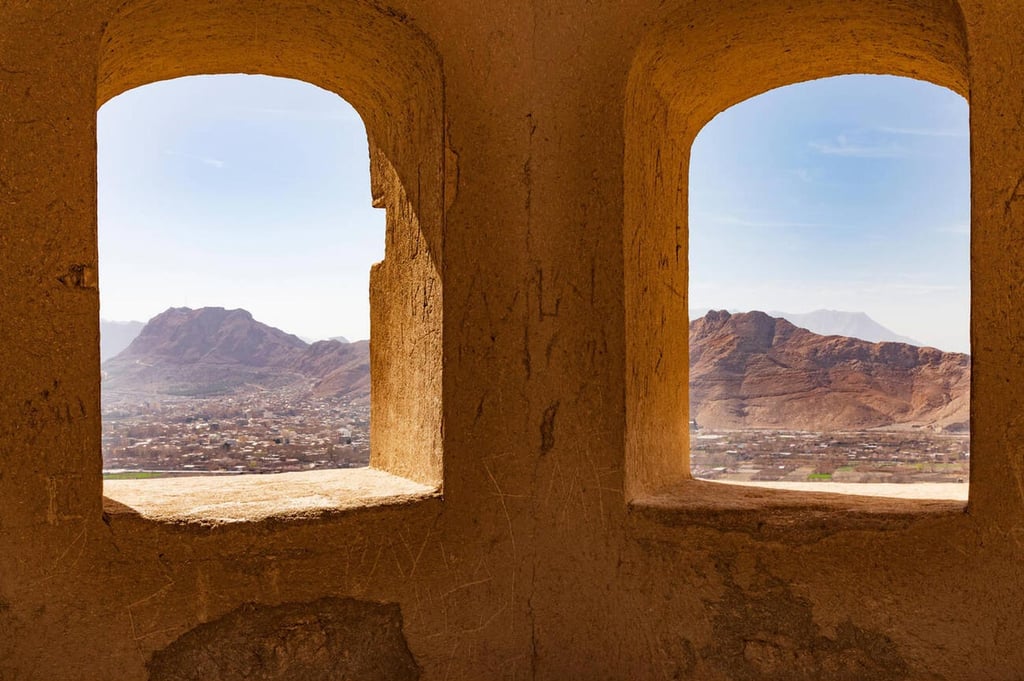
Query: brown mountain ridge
(750, 370)
(747, 370)
(212, 351)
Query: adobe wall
(542, 147)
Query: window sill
(776, 513)
(919, 491)
(217, 500)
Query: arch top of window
(695, 65)
(387, 70)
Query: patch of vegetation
(820, 477)
(132, 475)
(209, 390)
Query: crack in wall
(547, 428)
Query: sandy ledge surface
(950, 491)
(248, 498)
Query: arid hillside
(750, 370)
(213, 351)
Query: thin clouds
(724, 219)
(923, 132)
(804, 175)
(292, 114)
(910, 288)
(788, 288)
(206, 160)
(850, 199)
(842, 146)
(882, 289)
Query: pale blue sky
(237, 191)
(848, 193)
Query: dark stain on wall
(679, 659)
(767, 631)
(331, 639)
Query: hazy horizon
(694, 314)
(240, 192)
(848, 193)
(226, 307)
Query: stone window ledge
(938, 491)
(217, 500)
(769, 511)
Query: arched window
(235, 216)
(687, 70)
(391, 76)
(829, 290)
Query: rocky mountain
(339, 367)
(116, 336)
(841, 323)
(213, 351)
(750, 370)
(832, 323)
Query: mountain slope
(215, 351)
(840, 323)
(116, 336)
(750, 370)
(338, 367)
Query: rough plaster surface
(764, 630)
(331, 639)
(533, 159)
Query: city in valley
(271, 431)
(873, 456)
(213, 390)
(288, 429)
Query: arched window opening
(236, 234)
(829, 290)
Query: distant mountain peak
(212, 349)
(115, 336)
(827, 322)
(843, 323)
(211, 312)
(187, 335)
